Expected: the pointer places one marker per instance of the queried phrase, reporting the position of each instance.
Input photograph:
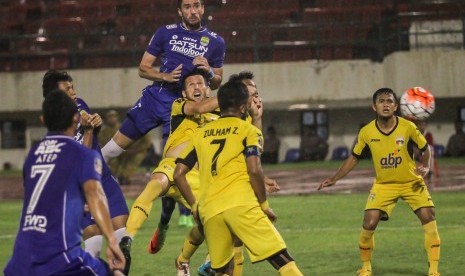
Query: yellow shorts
(385, 196)
(251, 226)
(166, 166)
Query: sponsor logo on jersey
(174, 37)
(47, 151)
(371, 196)
(391, 161)
(204, 41)
(35, 222)
(172, 26)
(213, 34)
(375, 140)
(400, 141)
(187, 47)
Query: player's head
(59, 112)
(58, 80)
(191, 12)
(385, 102)
(246, 77)
(232, 99)
(195, 86)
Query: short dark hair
(58, 110)
(194, 73)
(384, 91)
(232, 95)
(51, 79)
(180, 3)
(243, 75)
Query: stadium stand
(111, 33)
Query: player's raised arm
(147, 71)
(346, 167)
(215, 74)
(97, 202)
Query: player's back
(49, 233)
(221, 152)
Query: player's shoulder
(214, 36)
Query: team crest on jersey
(172, 26)
(204, 41)
(371, 196)
(98, 165)
(400, 141)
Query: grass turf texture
(321, 232)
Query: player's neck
(191, 28)
(386, 124)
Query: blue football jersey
(49, 235)
(175, 45)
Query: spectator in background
(312, 146)
(271, 147)
(456, 144)
(109, 128)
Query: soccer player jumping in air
(389, 139)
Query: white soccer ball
(417, 102)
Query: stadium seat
(340, 153)
(292, 155)
(438, 150)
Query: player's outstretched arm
(346, 167)
(208, 105)
(146, 70)
(98, 205)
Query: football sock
(366, 244)
(111, 150)
(238, 261)
(432, 245)
(93, 245)
(119, 234)
(290, 269)
(193, 240)
(167, 208)
(142, 206)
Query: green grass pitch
(321, 232)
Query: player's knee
(280, 259)
(426, 215)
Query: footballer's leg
(432, 240)
(238, 256)
(366, 242)
(157, 241)
(192, 241)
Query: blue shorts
(150, 111)
(115, 197)
(75, 262)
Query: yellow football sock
(238, 260)
(141, 208)
(193, 240)
(290, 269)
(366, 244)
(432, 245)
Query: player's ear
(184, 94)
(374, 107)
(42, 119)
(179, 12)
(76, 118)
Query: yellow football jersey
(391, 152)
(221, 148)
(182, 126)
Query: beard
(192, 26)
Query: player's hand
(95, 120)
(256, 108)
(271, 186)
(84, 120)
(115, 257)
(175, 75)
(326, 183)
(201, 63)
(270, 214)
(421, 170)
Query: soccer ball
(417, 102)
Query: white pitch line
(7, 236)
